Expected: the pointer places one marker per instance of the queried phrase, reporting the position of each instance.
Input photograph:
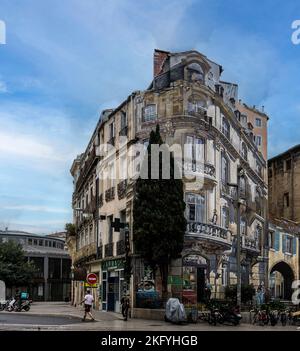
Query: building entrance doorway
(194, 278)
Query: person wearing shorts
(88, 302)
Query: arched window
(244, 151)
(195, 72)
(225, 127)
(195, 207)
(224, 169)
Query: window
(224, 170)
(271, 240)
(194, 151)
(123, 127)
(242, 187)
(226, 128)
(195, 207)
(258, 122)
(259, 169)
(149, 113)
(195, 72)
(198, 106)
(40, 242)
(225, 217)
(288, 245)
(35, 242)
(244, 151)
(258, 140)
(243, 226)
(288, 165)
(29, 241)
(244, 120)
(286, 200)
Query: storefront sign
(194, 260)
(112, 264)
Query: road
(18, 318)
(62, 316)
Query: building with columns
(199, 116)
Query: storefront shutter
(294, 246)
(277, 241)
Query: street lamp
(240, 173)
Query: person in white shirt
(88, 302)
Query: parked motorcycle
(25, 306)
(274, 317)
(231, 315)
(11, 305)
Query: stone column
(46, 276)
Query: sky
(65, 61)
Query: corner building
(198, 111)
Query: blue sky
(65, 61)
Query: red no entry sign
(92, 278)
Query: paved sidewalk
(108, 321)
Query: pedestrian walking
(125, 301)
(88, 302)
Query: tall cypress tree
(159, 223)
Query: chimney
(159, 57)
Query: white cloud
(31, 208)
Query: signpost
(91, 281)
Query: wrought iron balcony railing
(122, 186)
(120, 247)
(205, 169)
(110, 194)
(108, 250)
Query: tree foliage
(158, 215)
(14, 269)
(70, 229)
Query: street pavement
(64, 317)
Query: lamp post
(240, 172)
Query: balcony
(109, 250)
(209, 232)
(200, 170)
(250, 244)
(122, 187)
(120, 247)
(110, 194)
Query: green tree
(70, 229)
(159, 223)
(14, 269)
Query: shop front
(113, 284)
(195, 274)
